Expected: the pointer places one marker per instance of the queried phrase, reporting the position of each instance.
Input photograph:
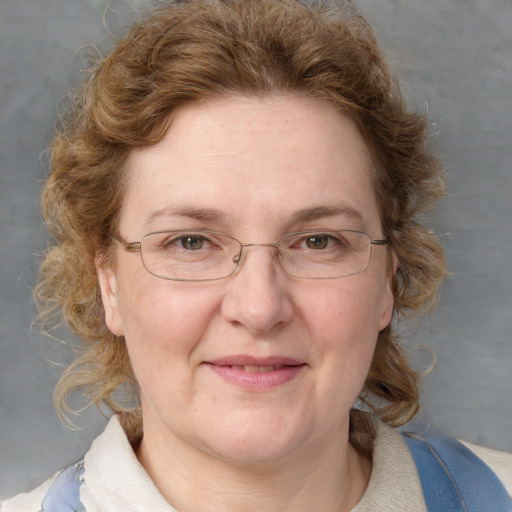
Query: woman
(235, 202)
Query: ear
(109, 296)
(388, 298)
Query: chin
(247, 440)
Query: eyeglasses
(189, 255)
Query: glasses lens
(324, 254)
(189, 255)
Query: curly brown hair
(186, 51)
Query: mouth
(250, 368)
(253, 374)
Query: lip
(254, 373)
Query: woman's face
(205, 353)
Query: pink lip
(244, 360)
(232, 369)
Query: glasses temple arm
(128, 246)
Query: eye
(314, 241)
(181, 242)
(322, 241)
(191, 242)
(317, 241)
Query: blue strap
(64, 493)
(453, 478)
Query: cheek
(347, 311)
(343, 328)
(163, 319)
(345, 323)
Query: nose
(257, 295)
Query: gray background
(454, 55)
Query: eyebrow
(322, 212)
(201, 214)
(217, 216)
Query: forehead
(251, 160)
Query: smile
(255, 375)
(257, 369)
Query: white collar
(115, 480)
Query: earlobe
(388, 299)
(109, 296)
(386, 312)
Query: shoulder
(61, 492)
(453, 475)
(108, 477)
(500, 462)
(30, 501)
(429, 468)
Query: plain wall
(453, 55)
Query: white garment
(115, 481)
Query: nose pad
(239, 258)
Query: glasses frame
(137, 247)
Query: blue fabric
(64, 493)
(453, 478)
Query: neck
(328, 478)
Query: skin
(209, 444)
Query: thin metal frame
(137, 247)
